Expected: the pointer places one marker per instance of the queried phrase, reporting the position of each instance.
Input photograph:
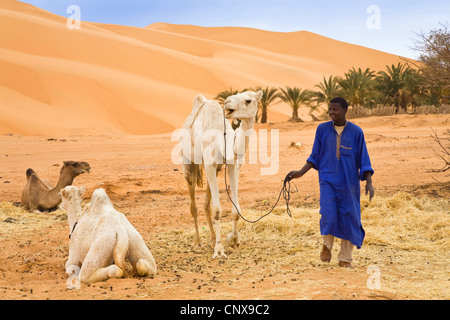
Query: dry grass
(411, 236)
(407, 238)
(382, 110)
(17, 222)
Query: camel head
(70, 194)
(71, 203)
(75, 168)
(243, 106)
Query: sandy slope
(117, 79)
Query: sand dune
(104, 79)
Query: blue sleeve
(364, 159)
(315, 154)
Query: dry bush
(383, 110)
(443, 151)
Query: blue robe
(341, 162)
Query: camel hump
(199, 99)
(99, 199)
(30, 172)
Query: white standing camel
(102, 238)
(204, 129)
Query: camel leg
(34, 209)
(144, 268)
(99, 256)
(190, 176)
(208, 214)
(233, 237)
(102, 274)
(72, 260)
(141, 258)
(211, 174)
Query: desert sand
(139, 176)
(104, 79)
(112, 95)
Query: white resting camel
(207, 120)
(101, 238)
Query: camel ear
(82, 190)
(63, 193)
(258, 95)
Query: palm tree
(267, 99)
(328, 90)
(295, 97)
(399, 85)
(223, 95)
(357, 86)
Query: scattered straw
(17, 222)
(407, 239)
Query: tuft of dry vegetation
(17, 222)
(407, 240)
(383, 110)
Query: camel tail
(193, 173)
(199, 175)
(121, 249)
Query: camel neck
(52, 196)
(242, 137)
(247, 124)
(65, 179)
(73, 213)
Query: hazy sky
(386, 25)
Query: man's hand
(369, 187)
(293, 175)
(370, 190)
(297, 174)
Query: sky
(386, 25)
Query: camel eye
(248, 102)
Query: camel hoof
(219, 252)
(144, 268)
(114, 271)
(234, 240)
(197, 244)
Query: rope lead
(285, 191)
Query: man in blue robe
(341, 158)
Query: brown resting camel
(39, 195)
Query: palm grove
(408, 84)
